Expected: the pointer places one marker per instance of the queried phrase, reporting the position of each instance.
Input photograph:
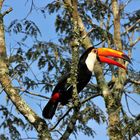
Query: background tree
(30, 69)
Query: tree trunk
(38, 123)
(113, 101)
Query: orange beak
(104, 55)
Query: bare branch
(135, 42)
(7, 12)
(90, 31)
(61, 119)
(70, 126)
(31, 8)
(124, 5)
(132, 26)
(128, 106)
(132, 99)
(91, 97)
(34, 94)
(134, 81)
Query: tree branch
(135, 42)
(70, 126)
(134, 81)
(7, 12)
(33, 94)
(84, 101)
(1, 4)
(127, 104)
(61, 119)
(131, 27)
(87, 43)
(132, 99)
(38, 123)
(91, 97)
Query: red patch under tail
(50, 108)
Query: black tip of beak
(125, 57)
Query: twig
(87, 33)
(60, 119)
(128, 106)
(91, 97)
(31, 8)
(7, 12)
(58, 132)
(135, 42)
(134, 81)
(126, 3)
(99, 43)
(29, 138)
(87, 99)
(34, 94)
(128, 29)
(132, 99)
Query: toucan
(62, 92)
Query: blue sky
(46, 26)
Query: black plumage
(65, 90)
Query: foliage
(39, 67)
(27, 27)
(11, 124)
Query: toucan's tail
(49, 109)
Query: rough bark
(75, 53)
(38, 123)
(86, 43)
(72, 7)
(113, 101)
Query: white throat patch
(90, 61)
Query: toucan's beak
(104, 55)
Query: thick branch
(113, 101)
(38, 123)
(118, 43)
(1, 4)
(70, 126)
(85, 39)
(71, 6)
(74, 66)
(87, 43)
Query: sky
(46, 25)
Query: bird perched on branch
(62, 92)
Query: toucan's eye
(95, 50)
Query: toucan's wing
(62, 83)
